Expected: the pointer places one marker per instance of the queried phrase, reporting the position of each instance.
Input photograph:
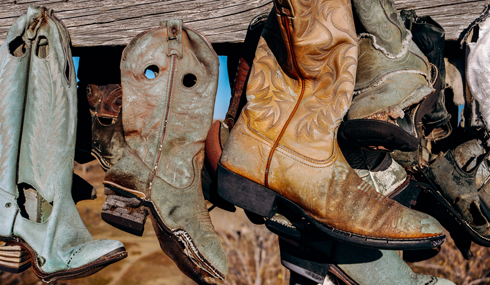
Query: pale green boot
(40, 214)
(393, 76)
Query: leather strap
(174, 31)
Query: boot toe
(419, 224)
(92, 251)
(214, 254)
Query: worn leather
(477, 106)
(430, 38)
(58, 241)
(299, 90)
(363, 265)
(165, 125)
(392, 72)
(107, 132)
(376, 168)
(455, 175)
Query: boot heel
(246, 194)
(126, 214)
(13, 258)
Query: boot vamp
(459, 188)
(397, 92)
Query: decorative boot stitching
(302, 82)
(194, 255)
(6, 136)
(167, 111)
(405, 45)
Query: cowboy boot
(44, 220)
(166, 120)
(393, 77)
(283, 149)
(107, 132)
(306, 254)
(453, 180)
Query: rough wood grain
(115, 22)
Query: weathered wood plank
(115, 22)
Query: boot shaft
(301, 83)
(181, 96)
(380, 19)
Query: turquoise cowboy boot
(40, 215)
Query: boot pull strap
(174, 31)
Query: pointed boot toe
(97, 251)
(283, 151)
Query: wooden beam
(116, 22)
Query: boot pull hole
(151, 71)
(189, 80)
(42, 48)
(475, 212)
(17, 47)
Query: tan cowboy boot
(283, 149)
(165, 121)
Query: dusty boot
(313, 258)
(40, 215)
(107, 132)
(430, 39)
(166, 120)
(393, 77)
(283, 149)
(453, 176)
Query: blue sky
(224, 92)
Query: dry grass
(450, 264)
(253, 256)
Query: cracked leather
(455, 175)
(107, 132)
(299, 90)
(392, 72)
(430, 38)
(39, 124)
(165, 121)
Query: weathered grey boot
(165, 121)
(393, 76)
(454, 176)
(38, 212)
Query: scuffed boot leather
(454, 177)
(38, 212)
(107, 132)
(283, 149)
(393, 77)
(166, 120)
(430, 38)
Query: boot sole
(452, 214)
(87, 270)
(171, 240)
(260, 200)
(313, 267)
